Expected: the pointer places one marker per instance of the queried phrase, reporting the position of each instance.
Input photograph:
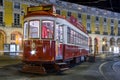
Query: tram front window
(25, 30)
(34, 29)
(47, 29)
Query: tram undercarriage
(44, 68)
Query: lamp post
(103, 46)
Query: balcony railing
(16, 25)
(2, 24)
(105, 33)
(88, 31)
(112, 34)
(97, 32)
(118, 34)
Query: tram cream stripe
(100, 70)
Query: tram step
(62, 63)
(62, 69)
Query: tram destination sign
(40, 8)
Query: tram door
(59, 42)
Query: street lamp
(103, 46)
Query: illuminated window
(34, 29)
(72, 36)
(77, 37)
(97, 27)
(47, 29)
(68, 34)
(59, 33)
(13, 36)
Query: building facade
(11, 21)
(102, 26)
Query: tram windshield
(32, 29)
(47, 29)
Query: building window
(17, 5)
(1, 17)
(119, 31)
(112, 21)
(105, 20)
(1, 2)
(88, 17)
(16, 19)
(13, 36)
(97, 18)
(97, 27)
(57, 11)
(112, 30)
(119, 22)
(68, 13)
(31, 5)
(88, 27)
(105, 28)
(79, 15)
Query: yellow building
(103, 26)
(11, 22)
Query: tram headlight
(33, 52)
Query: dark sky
(112, 5)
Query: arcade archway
(2, 40)
(104, 45)
(16, 38)
(96, 45)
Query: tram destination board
(40, 8)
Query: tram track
(110, 69)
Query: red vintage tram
(51, 42)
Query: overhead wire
(111, 4)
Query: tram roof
(51, 13)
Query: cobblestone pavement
(83, 71)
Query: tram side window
(68, 34)
(47, 29)
(25, 30)
(77, 38)
(80, 39)
(34, 29)
(72, 37)
(59, 33)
